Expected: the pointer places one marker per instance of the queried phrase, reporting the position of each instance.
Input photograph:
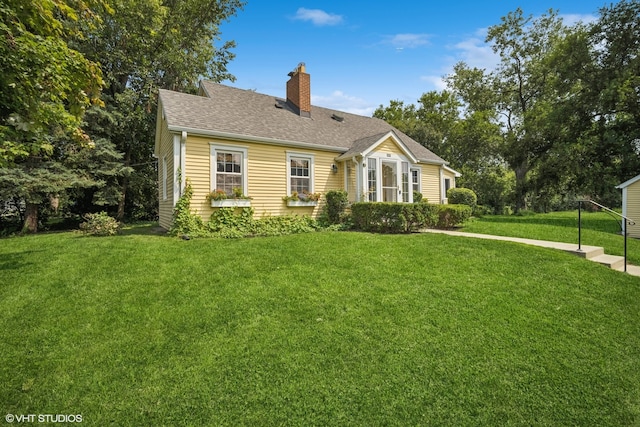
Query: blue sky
(361, 54)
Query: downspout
(356, 171)
(442, 195)
(624, 210)
(183, 162)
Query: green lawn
(598, 229)
(315, 329)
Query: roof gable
(629, 182)
(367, 145)
(234, 113)
(392, 136)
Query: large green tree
(142, 46)
(561, 111)
(459, 125)
(45, 87)
(613, 142)
(524, 83)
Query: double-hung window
(300, 173)
(372, 178)
(229, 169)
(415, 180)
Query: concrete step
(611, 261)
(589, 252)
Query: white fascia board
(432, 162)
(454, 172)
(248, 138)
(399, 143)
(159, 121)
(629, 182)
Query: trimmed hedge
(405, 217)
(462, 196)
(451, 215)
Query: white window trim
(419, 170)
(214, 148)
(378, 167)
(392, 157)
(306, 156)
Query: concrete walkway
(592, 253)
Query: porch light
(334, 168)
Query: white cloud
(318, 17)
(340, 101)
(572, 19)
(476, 53)
(436, 81)
(408, 41)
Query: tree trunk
(124, 188)
(521, 186)
(30, 218)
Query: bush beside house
(462, 196)
(406, 218)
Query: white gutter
(183, 161)
(247, 138)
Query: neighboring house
(226, 138)
(631, 204)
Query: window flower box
(298, 203)
(303, 199)
(220, 199)
(231, 203)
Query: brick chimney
(299, 90)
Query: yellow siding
(165, 208)
(388, 146)
(451, 176)
(431, 183)
(633, 208)
(266, 176)
(351, 186)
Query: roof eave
(250, 138)
(453, 171)
(433, 162)
(628, 183)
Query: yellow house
(232, 140)
(631, 204)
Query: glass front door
(389, 181)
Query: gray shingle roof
(239, 112)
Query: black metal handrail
(623, 225)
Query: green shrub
(378, 217)
(393, 217)
(224, 222)
(481, 210)
(451, 215)
(100, 224)
(462, 196)
(185, 222)
(283, 225)
(417, 197)
(336, 203)
(420, 215)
